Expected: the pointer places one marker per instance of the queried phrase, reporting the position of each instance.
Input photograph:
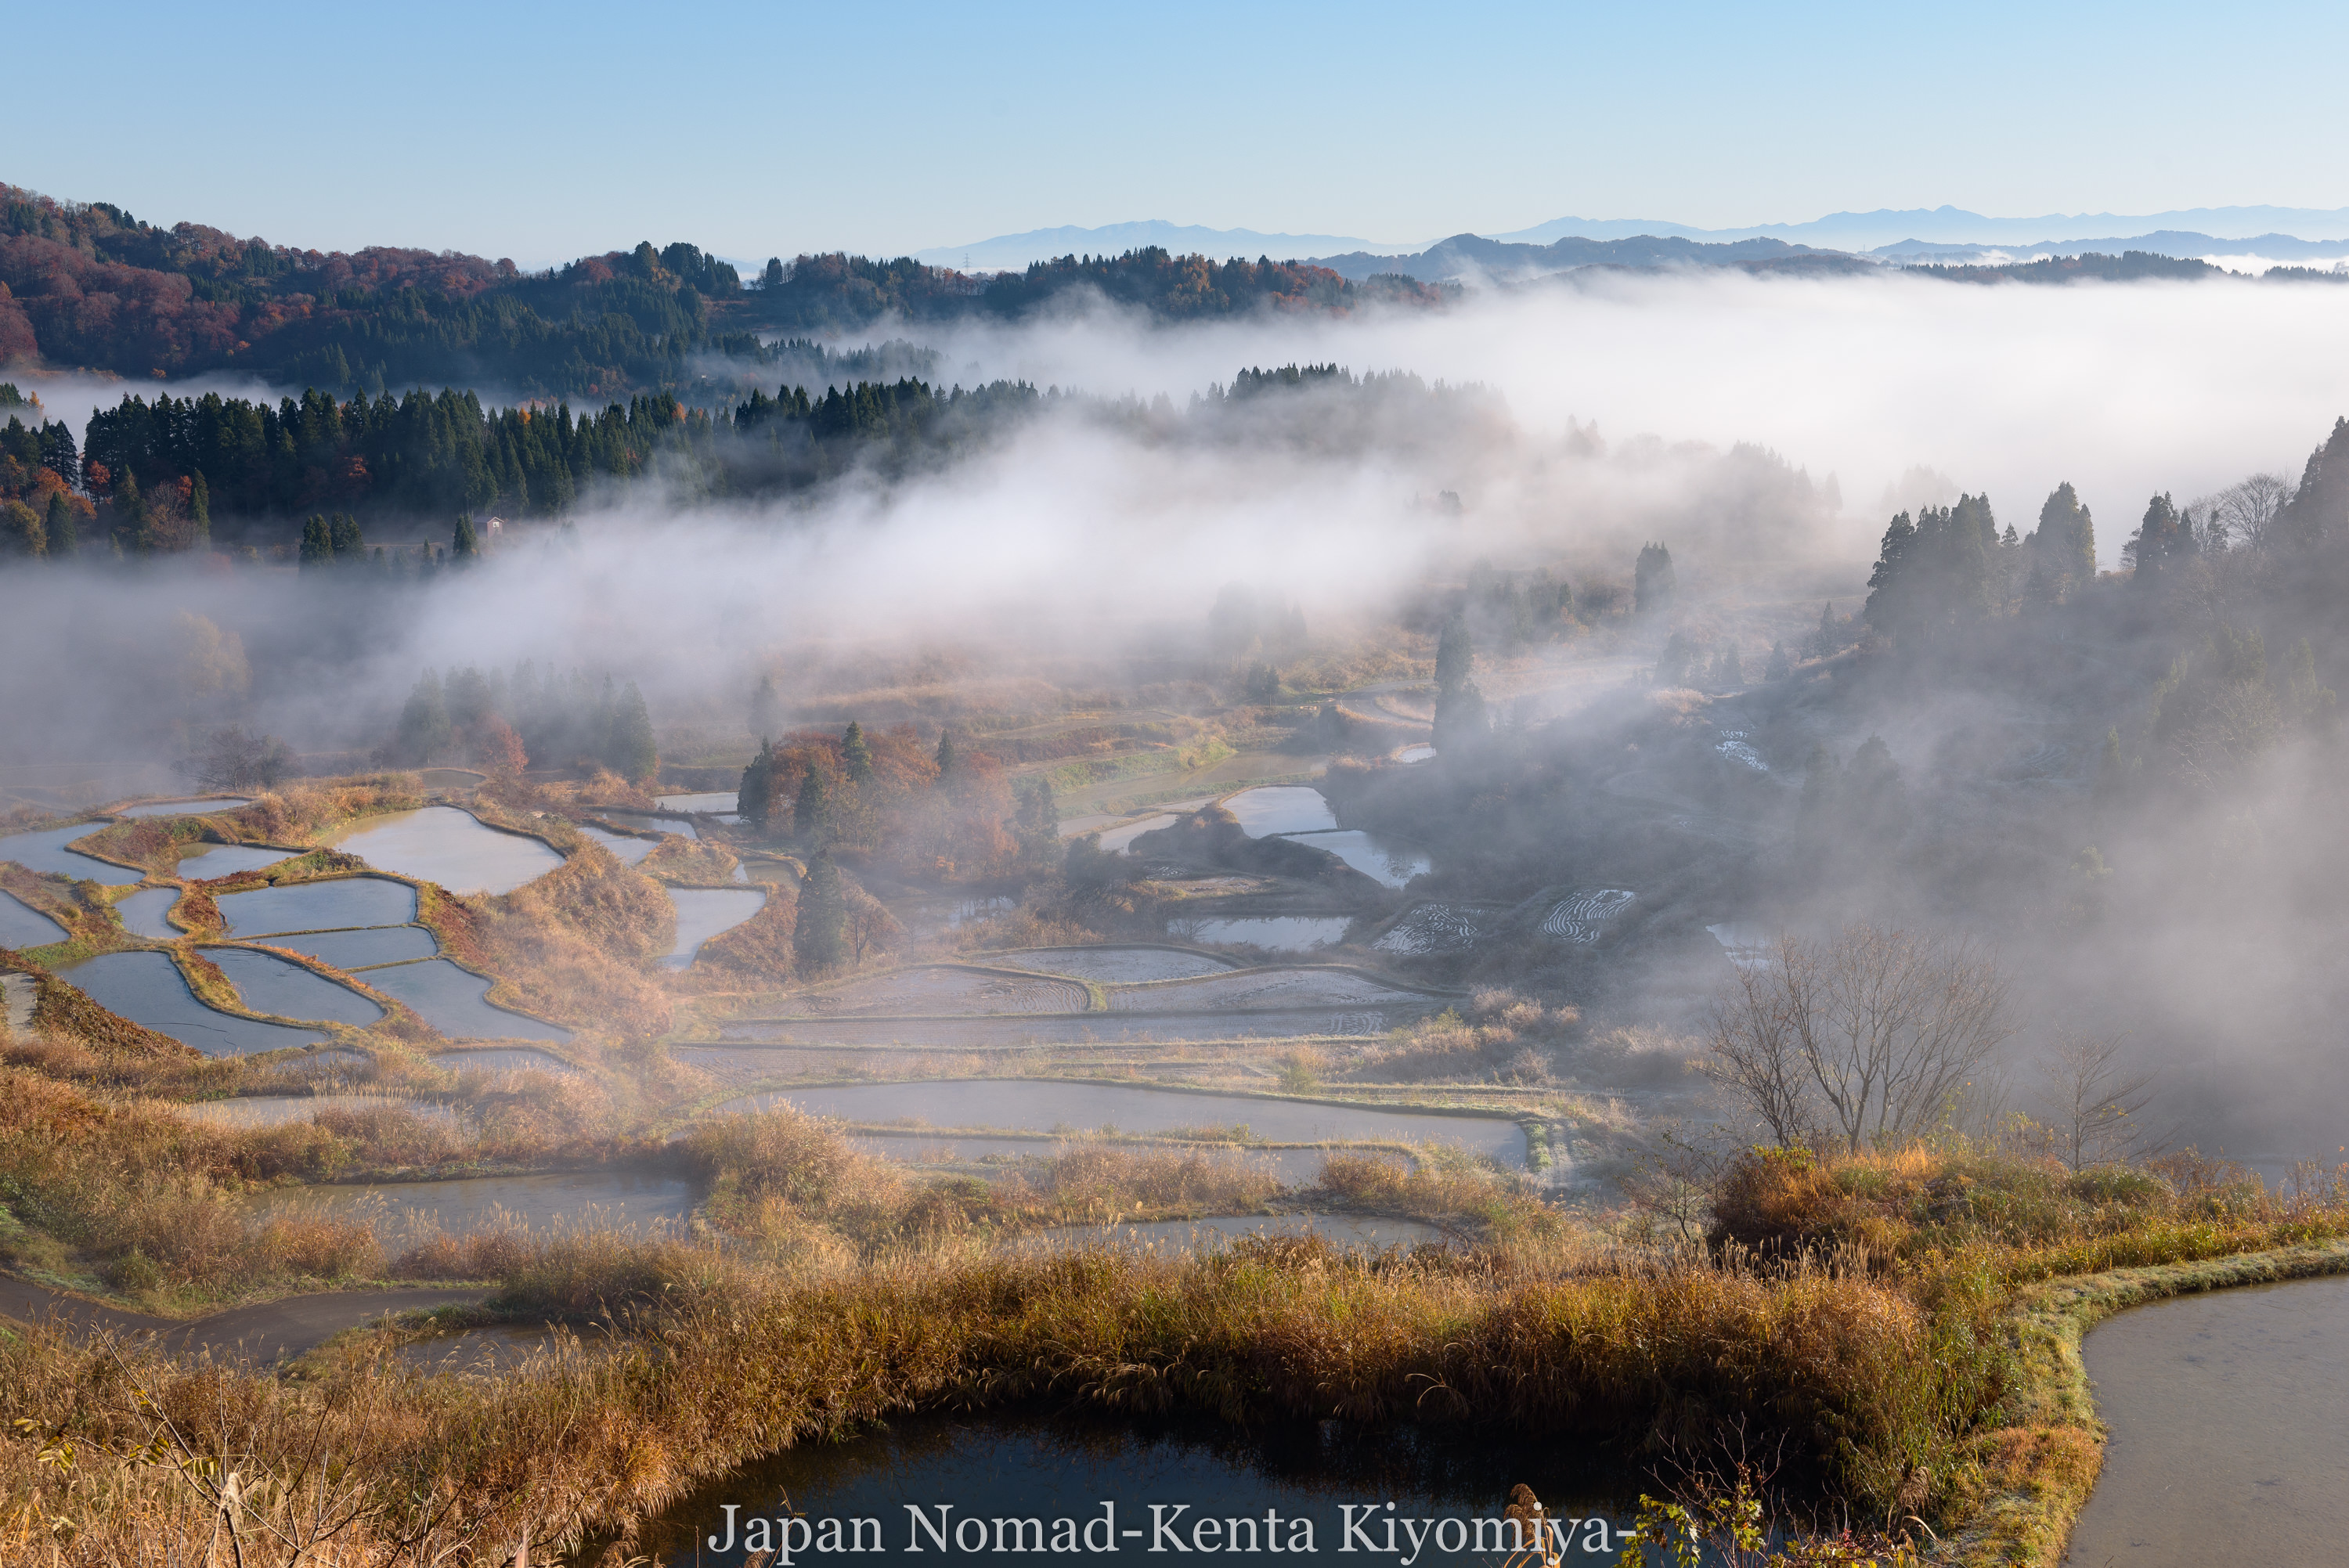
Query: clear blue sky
(542, 133)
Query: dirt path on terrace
(268, 1333)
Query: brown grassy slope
(571, 945)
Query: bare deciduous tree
(2095, 1102)
(231, 759)
(2248, 509)
(1869, 1037)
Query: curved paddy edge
(2056, 1440)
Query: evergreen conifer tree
(811, 811)
(199, 512)
(131, 517)
(464, 549)
(318, 543)
(424, 729)
(766, 707)
(1821, 778)
(1651, 579)
(944, 758)
(819, 939)
(63, 528)
(1456, 656)
(1823, 639)
(1780, 665)
(349, 544)
(755, 800)
(2065, 541)
(633, 754)
(855, 757)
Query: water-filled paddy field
(1289, 1167)
(1392, 865)
(334, 905)
(22, 925)
(940, 989)
(147, 988)
(1268, 988)
(268, 983)
(399, 1211)
(980, 1032)
(45, 852)
(450, 999)
(1215, 1487)
(142, 913)
(1112, 964)
(443, 844)
(1277, 932)
(705, 912)
(1017, 1105)
(2227, 1440)
(1275, 809)
(628, 847)
(184, 808)
(204, 863)
(358, 949)
(714, 801)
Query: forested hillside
(90, 286)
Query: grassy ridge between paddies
(1877, 1312)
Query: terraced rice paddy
(1439, 928)
(1390, 865)
(2225, 1412)
(359, 949)
(1747, 944)
(1267, 988)
(403, 1213)
(443, 844)
(1275, 932)
(979, 1032)
(942, 989)
(22, 925)
(1582, 917)
(450, 998)
(1029, 1105)
(1289, 1167)
(45, 852)
(714, 802)
(147, 988)
(628, 847)
(1735, 745)
(205, 862)
(1112, 964)
(1275, 809)
(143, 913)
(645, 823)
(705, 912)
(211, 808)
(337, 904)
(268, 983)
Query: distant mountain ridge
(1888, 230)
(1475, 258)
